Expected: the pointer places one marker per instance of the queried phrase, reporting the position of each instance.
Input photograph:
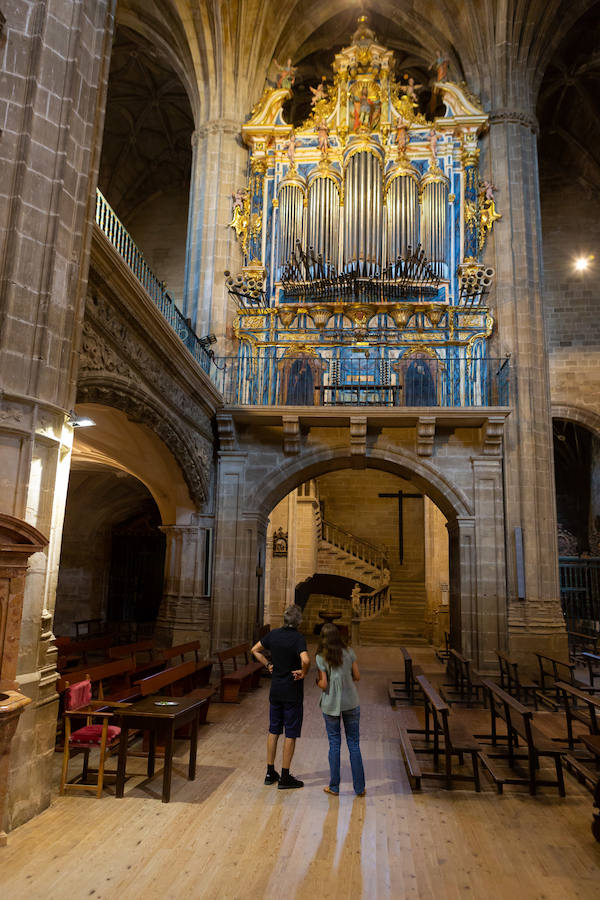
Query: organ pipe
(434, 216)
(402, 211)
(291, 218)
(324, 217)
(363, 211)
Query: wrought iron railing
(580, 592)
(111, 226)
(311, 380)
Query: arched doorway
(366, 530)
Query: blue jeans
(351, 719)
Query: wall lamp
(79, 421)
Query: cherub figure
(287, 74)
(318, 93)
(488, 191)
(291, 147)
(410, 89)
(433, 139)
(440, 64)
(323, 134)
(238, 198)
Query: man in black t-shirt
(289, 664)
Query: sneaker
(289, 783)
(272, 779)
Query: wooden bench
(556, 670)
(148, 657)
(444, 735)
(512, 683)
(442, 653)
(183, 680)
(243, 678)
(203, 666)
(404, 689)
(519, 727)
(464, 686)
(592, 661)
(73, 653)
(580, 640)
(579, 707)
(110, 681)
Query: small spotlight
(79, 421)
(583, 263)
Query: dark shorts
(286, 714)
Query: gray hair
(292, 616)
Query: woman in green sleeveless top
(338, 672)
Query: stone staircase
(404, 623)
(334, 560)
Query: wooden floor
(228, 836)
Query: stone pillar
(535, 622)
(463, 586)
(56, 58)
(185, 609)
(219, 167)
(18, 542)
(491, 574)
(238, 585)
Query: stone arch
(192, 458)
(585, 417)
(450, 499)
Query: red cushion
(92, 734)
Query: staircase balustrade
(353, 545)
(375, 602)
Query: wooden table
(163, 721)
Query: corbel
(493, 432)
(291, 435)
(358, 435)
(226, 432)
(425, 435)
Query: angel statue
(238, 196)
(410, 89)
(287, 74)
(488, 190)
(318, 93)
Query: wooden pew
(203, 666)
(575, 703)
(243, 678)
(579, 640)
(404, 689)
(182, 680)
(72, 653)
(147, 655)
(555, 670)
(592, 660)
(444, 735)
(519, 726)
(110, 681)
(512, 683)
(464, 686)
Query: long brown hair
(331, 645)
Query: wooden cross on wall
(401, 496)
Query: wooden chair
(103, 737)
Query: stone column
(185, 609)
(535, 622)
(239, 557)
(57, 56)
(219, 167)
(463, 586)
(491, 573)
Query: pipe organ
(361, 226)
